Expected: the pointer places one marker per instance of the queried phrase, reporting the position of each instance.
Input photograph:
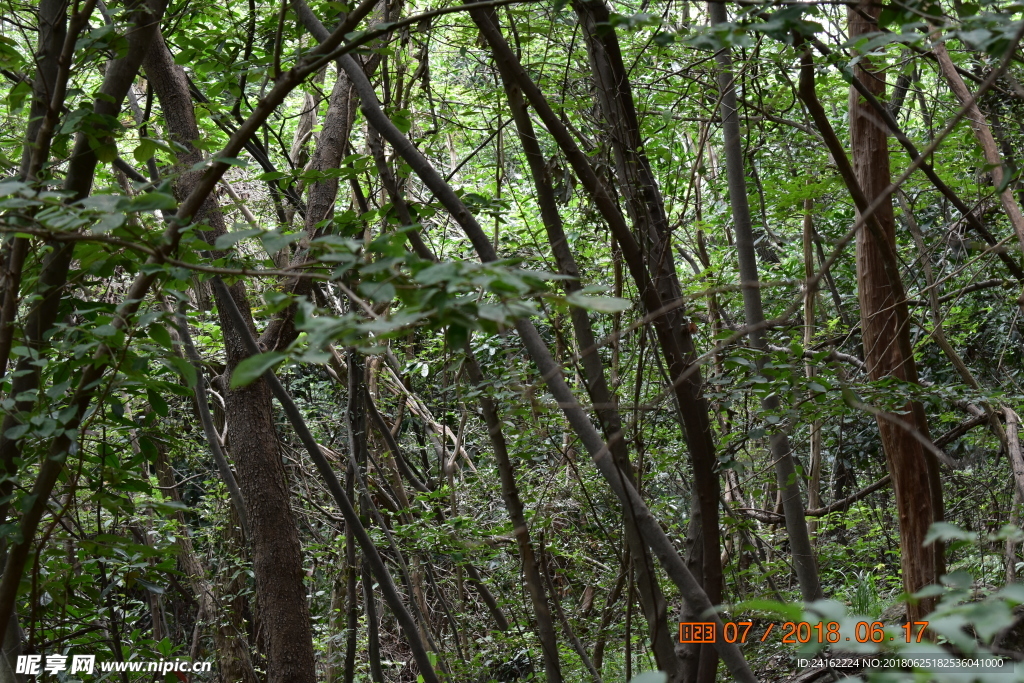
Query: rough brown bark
(884, 324)
(277, 559)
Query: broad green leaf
(250, 369)
(152, 201)
(600, 304)
(229, 239)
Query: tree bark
(983, 134)
(605, 404)
(689, 395)
(646, 209)
(886, 339)
(51, 281)
(277, 557)
(234, 662)
(810, 299)
(514, 506)
(323, 193)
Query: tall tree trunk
(886, 335)
(646, 209)
(782, 452)
(605, 404)
(277, 558)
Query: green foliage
(139, 487)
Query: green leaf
(229, 239)
(16, 432)
(157, 402)
(151, 587)
(161, 336)
(274, 240)
(145, 151)
(944, 531)
(377, 291)
(106, 152)
(600, 304)
(111, 221)
(16, 97)
(253, 367)
(402, 120)
(185, 369)
(151, 201)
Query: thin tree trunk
(567, 627)
(810, 295)
(604, 401)
(983, 134)
(234, 663)
(351, 599)
(782, 453)
(206, 419)
(323, 194)
(516, 513)
(343, 500)
(335, 627)
(653, 267)
(1014, 449)
(372, 627)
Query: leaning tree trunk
(652, 599)
(646, 208)
(886, 338)
(277, 557)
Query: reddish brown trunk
(886, 338)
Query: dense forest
(492, 341)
